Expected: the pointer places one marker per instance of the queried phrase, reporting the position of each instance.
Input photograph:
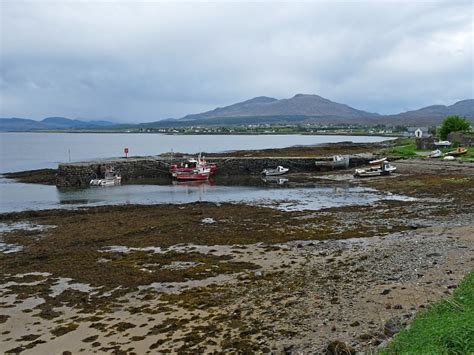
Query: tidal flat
(207, 277)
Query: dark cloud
(142, 61)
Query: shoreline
(223, 133)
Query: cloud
(143, 61)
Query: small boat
(193, 169)
(385, 168)
(378, 161)
(442, 143)
(111, 178)
(457, 152)
(449, 157)
(273, 172)
(435, 154)
(199, 173)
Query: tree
(453, 124)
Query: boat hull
(105, 182)
(191, 176)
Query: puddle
(6, 248)
(27, 226)
(64, 284)
(173, 287)
(180, 265)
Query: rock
(355, 324)
(392, 326)
(433, 254)
(337, 347)
(398, 306)
(385, 292)
(208, 220)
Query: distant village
(397, 131)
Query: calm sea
(25, 151)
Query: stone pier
(79, 174)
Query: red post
(125, 150)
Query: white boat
(378, 161)
(273, 172)
(385, 168)
(111, 178)
(449, 157)
(442, 143)
(435, 154)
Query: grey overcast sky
(143, 61)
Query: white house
(417, 132)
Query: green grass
(405, 147)
(447, 327)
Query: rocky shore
(207, 277)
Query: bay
(27, 151)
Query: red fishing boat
(193, 169)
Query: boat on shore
(279, 170)
(385, 168)
(442, 143)
(459, 151)
(378, 161)
(111, 178)
(435, 154)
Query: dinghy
(273, 172)
(435, 154)
(111, 178)
(457, 152)
(385, 168)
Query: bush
(453, 124)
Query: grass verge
(447, 327)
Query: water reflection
(278, 192)
(275, 180)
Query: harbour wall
(79, 174)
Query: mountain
(264, 110)
(49, 123)
(310, 106)
(432, 115)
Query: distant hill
(300, 105)
(432, 115)
(264, 110)
(49, 123)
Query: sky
(132, 61)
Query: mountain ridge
(50, 123)
(301, 108)
(298, 105)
